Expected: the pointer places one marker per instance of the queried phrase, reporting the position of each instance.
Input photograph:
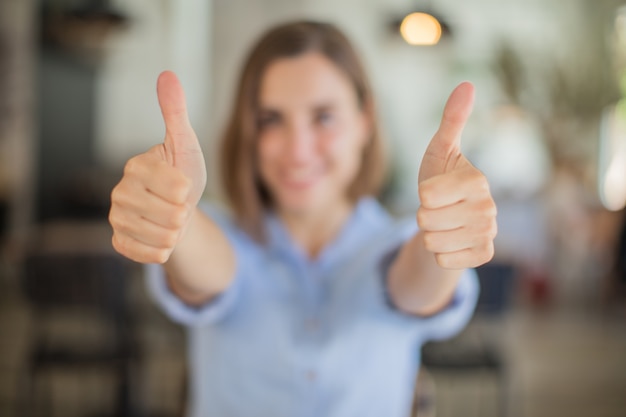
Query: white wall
(412, 83)
(166, 34)
(205, 42)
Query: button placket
(312, 324)
(311, 375)
(310, 330)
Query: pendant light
(421, 27)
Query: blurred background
(79, 336)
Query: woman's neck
(315, 229)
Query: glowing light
(612, 163)
(615, 184)
(420, 29)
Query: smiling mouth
(300, 179)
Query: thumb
(445, 145)
(180, 139)
(181, 146)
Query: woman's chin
(300, 203)
(299, 206)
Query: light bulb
(420, 29)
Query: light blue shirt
(294, 337)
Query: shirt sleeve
(216, 309)
(454, 317)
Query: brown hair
(239, 176)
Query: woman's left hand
(457, 215)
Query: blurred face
(312, 133)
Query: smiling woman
(310, 147)
(310, 299)
(295, 76)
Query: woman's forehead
(310, 79)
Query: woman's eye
(268, 120)
(324, 118)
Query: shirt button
(312, 325)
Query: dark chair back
(91, 281)
(87, 283)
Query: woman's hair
(240, 178)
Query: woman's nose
(300, 142)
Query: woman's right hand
(152, 204)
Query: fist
(153, 202)
(457, 215)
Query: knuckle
(160, 256)
(445, 261)
(490, 253)
(182, 195)
(179, 188)
(115, 193)
(490, 209)
(485, 254)
(114, 218)
(132, 166)
(170, 239)
(423, 220)
(115, 243)
(429, 242)
(486, 210)
(484, 247)
(184, 187)
(488, 231)
(478, 180)
(493, 230)
(177, 217)
(119, 194)
(122, 195)
(120, 245)
(137, 252)
(483, 184)
(427, 194)
(120, 224)
(475, 175)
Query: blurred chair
(91, 286)
(475, 351)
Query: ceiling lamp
(421, 28)
(82, 28)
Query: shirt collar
(367, 217)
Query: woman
(309, 299)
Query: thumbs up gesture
(457, 215)
(153, 202)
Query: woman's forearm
(202, 264)
(416, 283)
